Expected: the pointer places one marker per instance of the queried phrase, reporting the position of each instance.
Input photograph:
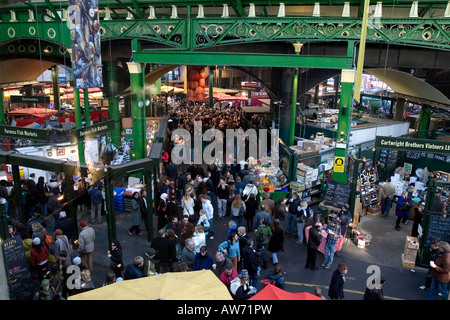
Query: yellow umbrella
(192, 285)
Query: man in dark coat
(314, 240)
(336, 288)
(65, 224)
(251, 260)
(161, 245)
(134, 270)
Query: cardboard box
(411, 243)
(408, 263)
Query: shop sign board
(416, 145)
(24, 133)
(30, 99)
(92, 130)
(339, 164)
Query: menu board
(439, 229)
(20, 282)
(337, 194)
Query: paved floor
(384, 251)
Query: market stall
(321, 248)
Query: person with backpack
(252, 261)
(275, 277)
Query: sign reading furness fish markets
(84, 28)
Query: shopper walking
(135, 214)
(402, 211)
(440, 273)
(387, 193)
(336, 287)
(86, 245)
(222, 197)
(115, 255)
(238, 210)
(276, 241)
(96, 203)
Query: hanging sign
(92, 131)
(84, 28)
(24, 133)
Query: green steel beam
(53, 10)
(242, 59)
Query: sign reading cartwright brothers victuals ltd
(417, 145)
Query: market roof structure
(410, 87)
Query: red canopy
(37, 112)
(271, 292)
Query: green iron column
(137, 109)
(298, 48)
(424, 124)
(87, 116)
(78, 122)
(55, 85)
(2, 110)
(113, 101)
(343, 128)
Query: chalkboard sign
(329, 193)
(337, 194)
(439, 229)
(20, 282)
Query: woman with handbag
(115, 255)
(402, 211)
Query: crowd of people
(189, 206)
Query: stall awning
(410, 87)
(22, 70)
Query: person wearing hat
(62, 243)
(333, 233)
(86, 240)
(244, 291)
(39, 257)
(46, 292)
(149, 265)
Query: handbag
(48, 238)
